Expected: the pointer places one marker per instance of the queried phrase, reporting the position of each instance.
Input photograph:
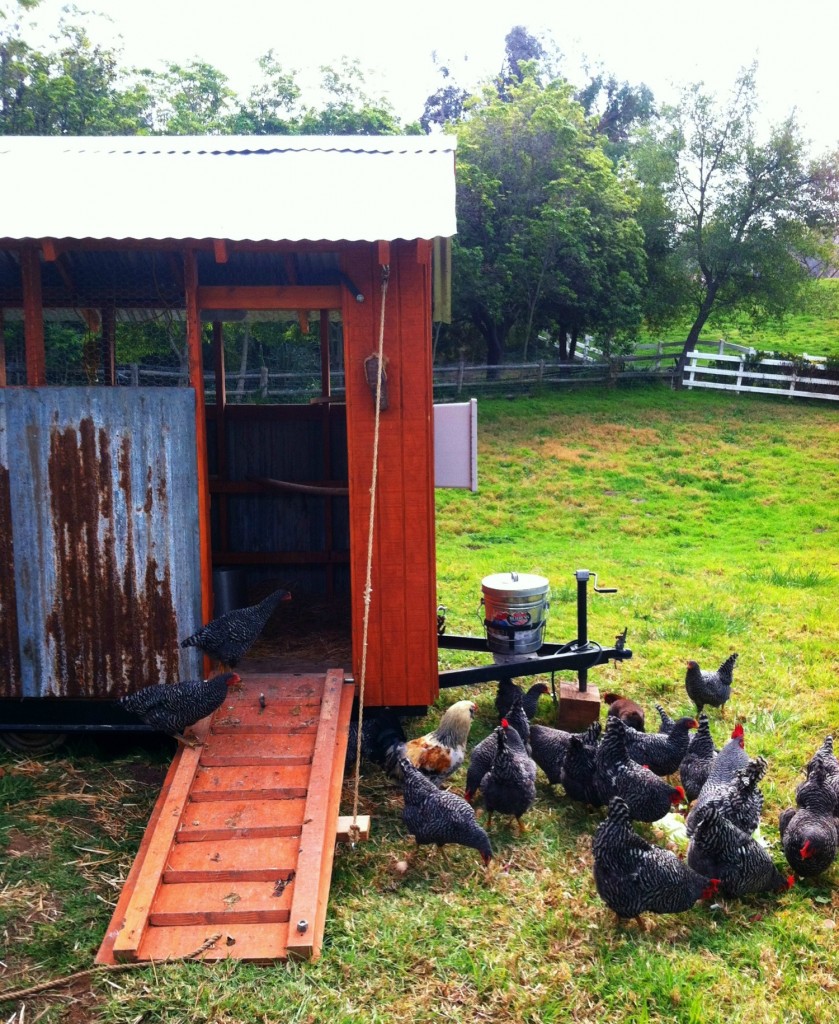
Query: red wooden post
(196, 380)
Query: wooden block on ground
(577, 710)
(344, 823)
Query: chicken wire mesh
(119, 318)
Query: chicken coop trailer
(186, 326)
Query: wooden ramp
(241, 841)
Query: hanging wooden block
(371, 367)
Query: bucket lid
(515, 583)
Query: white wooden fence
(767, 377)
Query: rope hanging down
(354, 830)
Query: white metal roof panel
(259, 187)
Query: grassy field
(814, 331)
(716, 518)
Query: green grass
(814, 330)
(716, 518)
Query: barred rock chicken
(229, 637)
(661, 752)
(506, 694)
(721, 849)
(667, 722)
(809, 831)
(379, 734)
(172, 707)
(483, 754)
(438, 754)
(693, 771)
(519, 721)
(725, 765)
(825, 756)
(509, 787)
(438, 816)
(712, 688)
(739, 800)
(628, 710)
(577, 775)
(633, 876)
(549, 748)
(647, 796)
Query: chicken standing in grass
(483, 754)
(721, 849)
(696, 764)
(229, 637)
(810, 831)
(628, 710)
(667, 722)
(438, 816)
(825, 756)
(438, 754)
(708, 687)
(739, 800)
(647, 796)
(633, 876)
(661, 752)
(173, 707)
(549, 748)
(509, 787)
(507, 692)
(578, 769)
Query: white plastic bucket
(515, 611)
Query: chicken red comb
(505, 724)
(710, 889)
(738, 732)
(790, 881)
(805, 850)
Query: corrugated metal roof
(259, 188)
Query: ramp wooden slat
(242, 838)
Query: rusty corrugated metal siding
(102, 492)
(9, 648)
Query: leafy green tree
(190, 99)
(743, 215)
(546, 235)
(78, 88)
(271, 106)
(349, 109)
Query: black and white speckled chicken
(509, 787)
(506, 694)
(173, 707)
(518, 720)
(647, 796)
(696, 764)
(661, 752)
(725, 765)
(229, 637)
(483, 754)
(549, 748)
(578, 769)
(706, 687)
(825, 756)
(633, 876)
(810, 831)
(739, 799)
(381, 733)
(667, 722)
(439, 816)
(722, 850)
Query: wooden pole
(196, 380)
(221, 431)
(33, 313)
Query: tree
(349, 109)
(546, 236)
(271, 106)
(745, 215)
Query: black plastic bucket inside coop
(229, 590)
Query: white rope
(354, 830)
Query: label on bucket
(515, 619)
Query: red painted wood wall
(402, 639)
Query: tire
(32, 744)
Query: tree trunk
(575, 334)
(243, 362)
(696, 330)
(495, 352)
(563, 343)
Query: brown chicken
(438, 754)
(628, 710)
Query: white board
(456, 444)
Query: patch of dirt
(24, 844)
(147, 775)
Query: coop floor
(240, 844)
(305, 634)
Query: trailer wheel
(32, 744)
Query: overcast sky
(664, 43)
